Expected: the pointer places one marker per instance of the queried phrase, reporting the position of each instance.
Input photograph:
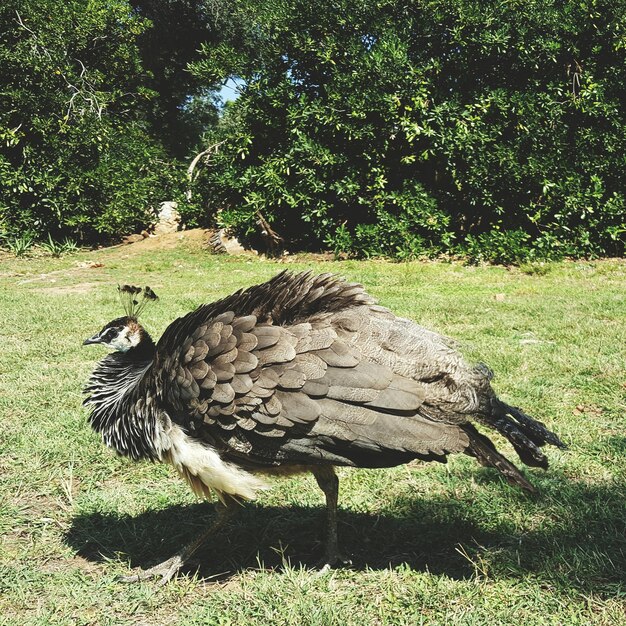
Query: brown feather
(308, 368)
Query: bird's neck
(143, 351)
(119, 411)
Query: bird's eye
(111, 334)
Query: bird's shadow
(583, 537)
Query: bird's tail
(526, 435)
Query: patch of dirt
(590, 409)
(79, 268)
(310, 257)
(194, 237)
(5, 254)
(200, 239)
(56, 564)
(63, 290)
(36, 508)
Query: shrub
(75, 154)
(494, 130)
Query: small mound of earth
(194, 237)
(199, 238)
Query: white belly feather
(205, 471)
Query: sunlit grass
(430, 544)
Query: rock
(169, 218)
(221, 243)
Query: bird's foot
(165, 571)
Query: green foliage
(407, 225)
(20, 245)
(498, 246)
(374, 128)
(59, 248)
(75, 153)
(402, 129)
(181, 106)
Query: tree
(183, 107)
(76, 154)
(405, 128)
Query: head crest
(134, 299)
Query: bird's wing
(304, 392)
(452, 389)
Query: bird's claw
(165, 571)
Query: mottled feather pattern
(243, 374)
(125, 416)
(306, 370)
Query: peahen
(301, 373)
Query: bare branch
(86, 90)
(273, 238)
(38, 47)
(192, 166)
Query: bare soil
(194, 237)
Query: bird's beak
(95, 339)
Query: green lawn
(430, 543)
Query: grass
(430, 543)
(59, 248)
(19, 246)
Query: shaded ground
(440, 536)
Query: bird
(303, 373)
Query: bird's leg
(172, 566)
(329, 484)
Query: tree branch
(192, 166)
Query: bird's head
(125, 333)
(121, 334)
